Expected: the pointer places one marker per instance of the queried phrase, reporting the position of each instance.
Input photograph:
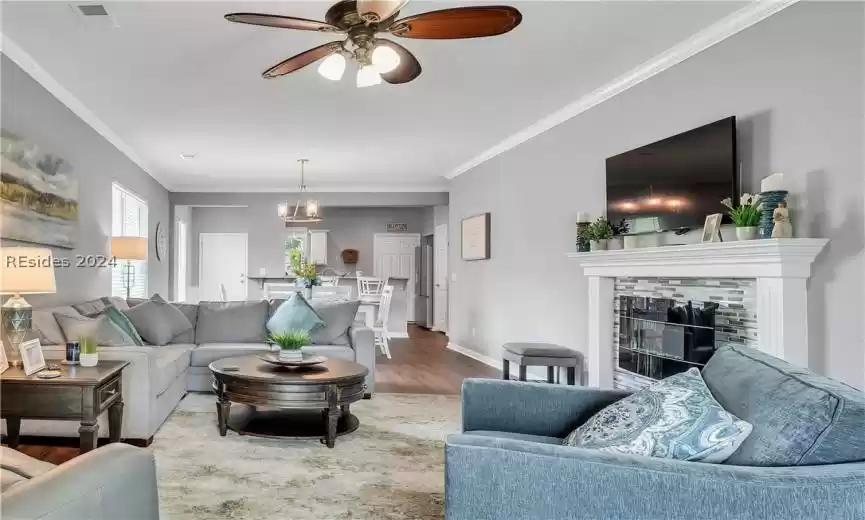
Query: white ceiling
(174, 77)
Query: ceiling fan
(378, 58)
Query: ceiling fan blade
(285, 22)
(302, 60)
(378, 10)
(460, 22)
(408, 69)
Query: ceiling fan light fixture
(384, 59)
(367, 76)
(333, 67)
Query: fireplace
(754, 293)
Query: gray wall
(37, 116)
(795, 82)
(347, 228)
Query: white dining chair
(382, 338)
(369, 288)
(279, 290)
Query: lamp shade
(129, 248)
(26, 270)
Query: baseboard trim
(532, 373)
(398, 335)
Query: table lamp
(23, 270)
(129, 249)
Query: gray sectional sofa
(159, 376)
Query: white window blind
(128, 219)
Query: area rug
(391, 468)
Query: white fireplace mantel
(781, 268)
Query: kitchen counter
(291, 278)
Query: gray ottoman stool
(542, 354)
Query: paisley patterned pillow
(675, 418)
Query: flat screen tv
(671, 185)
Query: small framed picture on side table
(712, 228)
(31, 356)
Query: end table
(80, 394)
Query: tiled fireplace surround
(759, 285)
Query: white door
(440, 278)
(222, 262)
(395, 257)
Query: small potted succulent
(619, 231)
(746, 215)
(290, 342)
(89, 357)
(600, 232)
(307, 278)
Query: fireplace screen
(658, 338)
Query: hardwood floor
(421, 365)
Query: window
(297, 239)
(128, 219)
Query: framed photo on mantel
(475, 232)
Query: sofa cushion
(675, 418)
(47, 327)
(100, 329)
(231, 322)
(171, 362)
(116, 317)
(132, 302)
(337, 315)
(799, 418)
(16, 467)
(204, 355)
(295, 314)
(190, 310)
(157, 321)
(516, 436)
(90, 308)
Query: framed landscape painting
(38, 195)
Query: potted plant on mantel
(600, 231)
(746, 215)
(289, 343)
(619, 231)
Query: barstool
(542, 354)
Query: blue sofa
(805, 458)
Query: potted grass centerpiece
(290, 343)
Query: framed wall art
(475, 233)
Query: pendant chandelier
(300, 213)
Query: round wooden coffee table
(309, 402)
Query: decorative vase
(290, 355)
(747, 233)
(598, 245)
(769, 200)
(89, 360)
(616, 243)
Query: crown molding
(734, 23)
(29, 65)
(313, 189)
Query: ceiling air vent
(92, 10)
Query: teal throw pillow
(123, 323)
(675, 418)
(295, 314)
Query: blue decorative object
(770, 201)
(295, 314)
(675, 418)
